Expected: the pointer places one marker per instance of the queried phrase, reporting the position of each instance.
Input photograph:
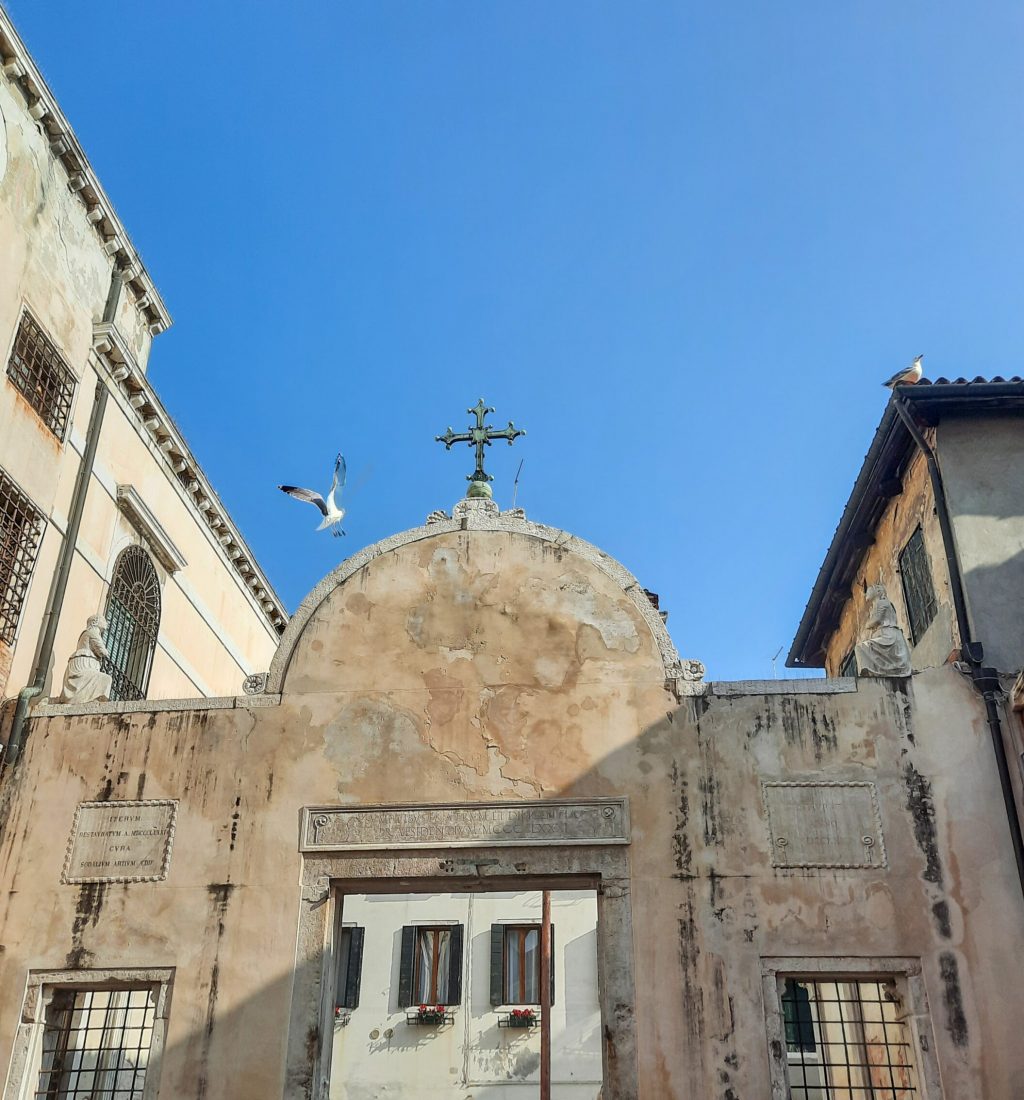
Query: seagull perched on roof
(333, 515)
(908, 376)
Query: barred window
(96, 1044)
(21, 528)
(917, 585)
(41, 376)
(848, 666)
(847, 1040)
(133, 622)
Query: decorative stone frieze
(139, 397)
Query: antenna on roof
(515, 484)
(775, 675)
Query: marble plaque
(824, 824)
(480, 824)
(120, 841)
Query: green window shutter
(455, 967)
(407, 963)
(552, 974)
(354, 974)
(497, 964)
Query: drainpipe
(67, 550)
(985, 680)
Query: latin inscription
(562, 821)
(824, 824)
(120, 841)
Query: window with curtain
(133, 622)
(430, 971)
(515, 964)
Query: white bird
(908, 376)
(333, 515)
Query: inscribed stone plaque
(557, 821)
(120, 841)
(824, 824)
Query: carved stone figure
(83, 680)
(884, 652)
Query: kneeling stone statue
(83, 680)
(884, 652)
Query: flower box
(520, 1018)
(430, 1016)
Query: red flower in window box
(431, 1014)
(522, 1017)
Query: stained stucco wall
(54, 264)
(913, 508)
(983, 472)
(483, 664)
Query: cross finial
(479, 436)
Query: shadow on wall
(706, 902)
(995, 595)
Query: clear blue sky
(680, 243)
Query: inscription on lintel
(120, 841)
(557, 821)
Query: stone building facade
(802, 888)
(148, 543)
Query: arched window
(133, 621)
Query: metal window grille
(40, 374)
(847, 1041)
(917, 585)
(133, 621)
(21, 528)
(849, 665)
(96, 1044)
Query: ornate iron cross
(479, 436)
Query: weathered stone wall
(914, 507)
(474, 665)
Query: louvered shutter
(455, 967)
(551, 976)
(497, 964)
(354, 973)
(407, 964)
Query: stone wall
(515, 663)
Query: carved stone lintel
(255, 684)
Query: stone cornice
(140, 400)
(21, 71)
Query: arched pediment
(481, 584)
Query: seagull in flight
(908, 376)
(333, 515)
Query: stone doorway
(328, 878)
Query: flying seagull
(908, 376)
(333, 515)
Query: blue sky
(681, 244)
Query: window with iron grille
(21, 528)
(847, 1040)
(96, 1044)
(917, 585)
(133, 622)
(41, 376)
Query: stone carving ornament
(884, 652)
(84, 682)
